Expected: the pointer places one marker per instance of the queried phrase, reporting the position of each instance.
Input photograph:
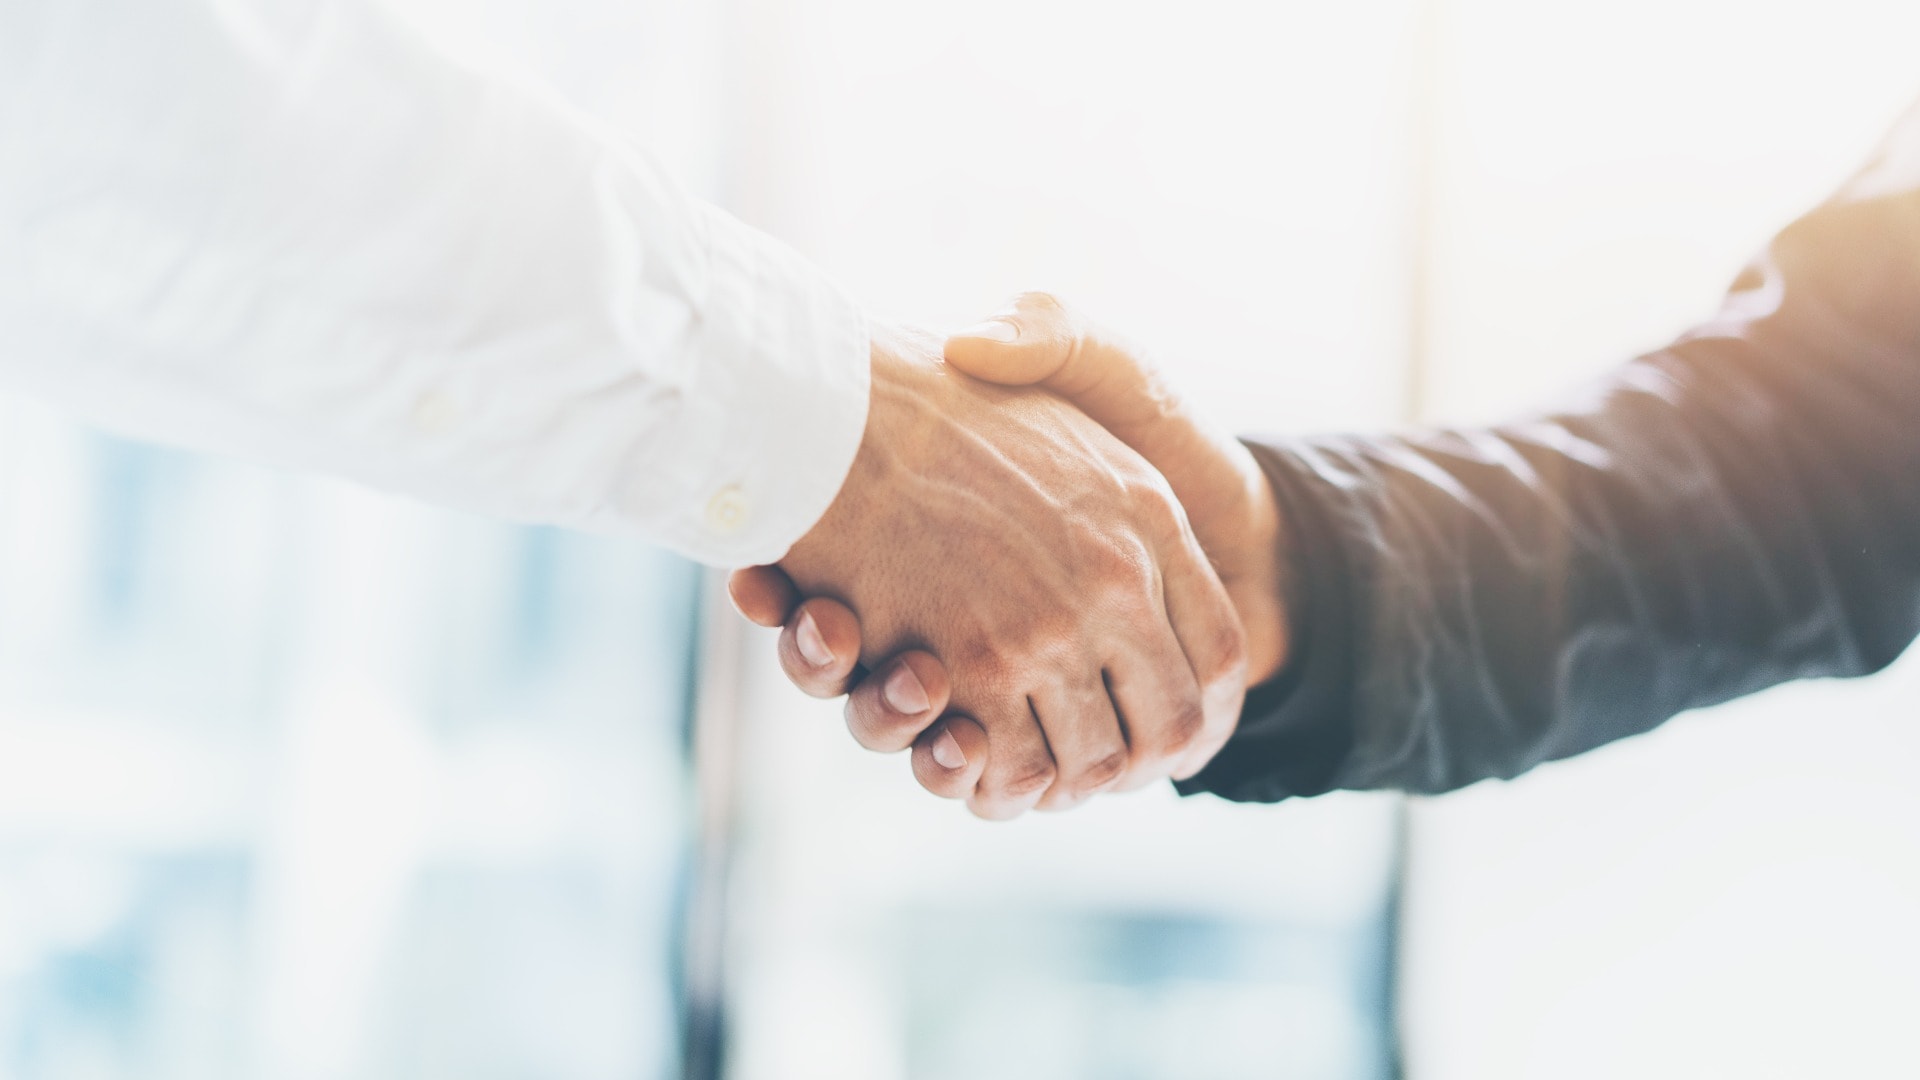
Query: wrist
(1265, 586)
(902, 382)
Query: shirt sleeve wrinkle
(303, 233)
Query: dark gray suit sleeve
(1735, 511)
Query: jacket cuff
(1296, 729)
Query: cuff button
(436, 414)
(727, 510)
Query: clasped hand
(1042, 573)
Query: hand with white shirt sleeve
(305, 234)
(1050, 567)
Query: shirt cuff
(786, 355)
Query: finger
(1211, 636)
(902, 698)
(1019, 767)
(764, 594)
(949, 757)
(1083, 732)
(1158, 699)
(820, 647)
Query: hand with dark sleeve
(1735, 511)
(1732, 512)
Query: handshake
(1043, 573)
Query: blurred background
(301, 781)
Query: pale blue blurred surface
(1133, 996)
(300, 780)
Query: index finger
(820, 648)
(765, 595)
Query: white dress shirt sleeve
(293, 230)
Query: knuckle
(1045, 637)
(1040, 302)
(1113, 562)
(1184, 725)
(1030, 653)
(1156, 508)
(1122, 573)
(1229, 645)
(1100, 774)
(989, 665)
(1027, 780)
(1044, 318)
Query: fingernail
(812, 645)
(946, 751)
(904, 693)
(993, 330)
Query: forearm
(1736, 511)
(295, 231)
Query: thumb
(1030, 341)
(1038, 339)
